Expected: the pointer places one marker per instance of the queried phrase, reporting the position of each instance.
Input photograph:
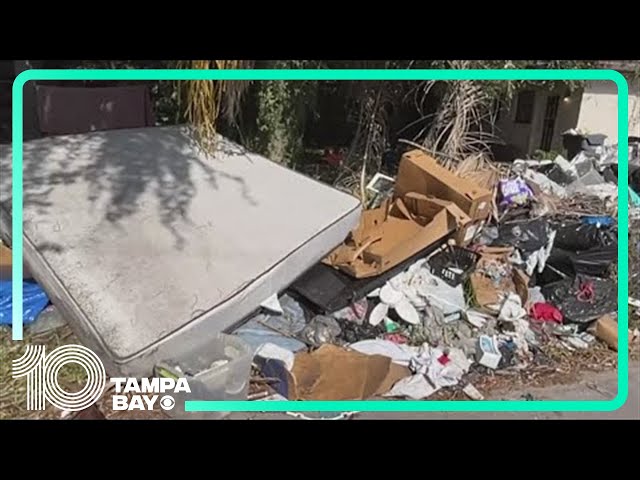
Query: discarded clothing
(546, 313)
(34, 300)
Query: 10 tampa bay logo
(145, 394)
(41, 373)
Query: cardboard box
(422, 174)
(467, 232)
(394, 232)
(488, 296)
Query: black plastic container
(452, 257)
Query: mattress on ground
(150, 247)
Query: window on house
(549, 122)
(524, 106)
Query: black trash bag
(596, 262)
(528, 236)
(571, 297)
(549, 275)
(579, 237)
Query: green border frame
(363, 405)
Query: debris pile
(444, 277)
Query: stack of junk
(168, 261)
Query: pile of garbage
(444, 276)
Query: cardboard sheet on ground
(336, 373)
(150, 247)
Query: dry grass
(205, 101)
(13, 392)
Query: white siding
(599, 109)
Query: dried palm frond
(481, 170)
(206, 100)
(457, 129)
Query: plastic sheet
(34, 300)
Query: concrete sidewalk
(592, 386)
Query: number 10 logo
(42, 371)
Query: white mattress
(150, 247)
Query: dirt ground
(560, 367)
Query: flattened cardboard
(335, 373)
(5, 265)
(394, 232)
(487, 294)
(396, 373)
(421, 173)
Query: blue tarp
(34, 300)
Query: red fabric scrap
(444, 359)
(544, 312)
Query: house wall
(599, 109)
(516, 134)
(527, 137)
(592, 110)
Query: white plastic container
(219, 371)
